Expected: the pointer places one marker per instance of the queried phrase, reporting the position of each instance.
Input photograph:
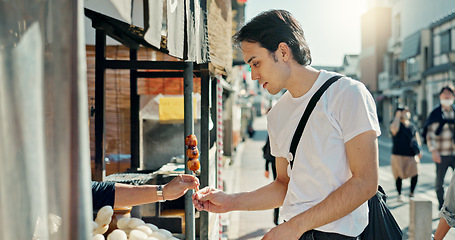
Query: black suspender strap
(306, 115)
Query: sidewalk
(246, 173)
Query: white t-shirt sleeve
(355, 110)
(273, 145)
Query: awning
(396, 92)
(181, 23)
(411, 46)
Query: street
(246, 173)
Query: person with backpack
(439, 133)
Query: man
(335, 168)
(447, 214)
(118, 195)
(439, 134)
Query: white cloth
(344, 111)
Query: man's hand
(266, 174)
(211, 200)
(179, 186)
(436, 156)
(283, 231)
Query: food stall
(46, 96)
(177, 61)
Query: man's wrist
(159, 193)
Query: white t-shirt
(344, 111)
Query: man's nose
(254, 75)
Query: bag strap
(314, 99)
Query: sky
(331, 27)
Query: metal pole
(134, 114)
(205, 141)
(100, 96)
(188, 124)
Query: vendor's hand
(283, 231)
(179, 186)
(398, 114)
(266, 174)
(211, 200)
(436, 156)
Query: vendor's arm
(362, 154)
(267, 197)
(129, 195)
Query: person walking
(270, 164)
(440, 138)
(324, 187)
(405, 159)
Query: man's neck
(446, 108)
(301, 80)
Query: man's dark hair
(270, 28)
(449, 88)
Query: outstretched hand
(211, 200)
(179, 186)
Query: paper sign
(172, 108)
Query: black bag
(413, 144)
(382, 224)
(415, 147)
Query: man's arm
(362, 154)
(267, 197)
(273, 192)
(447, 214)
(442, 230)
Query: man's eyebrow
(249, 60)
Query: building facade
(416, 61)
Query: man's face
(266, 68)
(446, 95)
(446, 98)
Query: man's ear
(284, 51)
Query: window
(445, 42)
(412, 67)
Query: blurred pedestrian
(440, 138)
(270, 163)
(405, 159)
